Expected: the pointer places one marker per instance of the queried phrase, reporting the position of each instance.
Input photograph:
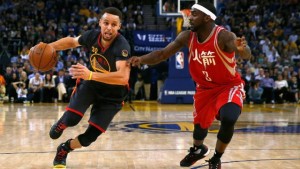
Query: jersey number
(206, 76)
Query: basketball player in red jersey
(219, 88)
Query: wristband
(90, 76)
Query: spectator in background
(293, 90)
(138, 15)
(23, 78)
(83, 55)
(70, 57)
(261, 74)
(84, 10)
(271, 53)
(138, 11)
(60, 84)
(32, 75)
(48, 89)
(35, 88)
(81, 61)
(169, 6)
(286, 74)
(24, 54)
(71, 31)
(27, 67)
(92, 19)
(267, 84)
(21, 92)
(281, 89)
(130, 26)
(255, 92)
(12, 92)
(20, 70)
(295, 57)
(274, 72)
(293, 37)
(68, 65)
(143, 84)
(140, 22)
(60, 64)
(248, 78)
(15, 67)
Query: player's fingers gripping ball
(43, 57)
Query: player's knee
(90, 136)
(71, 119)
(229, 114)
(199, 133)
(226, 130)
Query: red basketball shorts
(207, 102)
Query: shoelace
(60, 127)
(61, 154)
(191, 149)
(210, 163)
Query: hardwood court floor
(154, 136)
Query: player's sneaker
(61, 155)
(57, 130)
(214, 163)
(194, 155)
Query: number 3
(206, 76)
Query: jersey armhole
(191, 39)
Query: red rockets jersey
(210, 66)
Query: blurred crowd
(26, 23)
(272, 28)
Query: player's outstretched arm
(158, 56)
(65, 43)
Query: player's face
(110, 24)
(197, 20)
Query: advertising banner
(148, 41)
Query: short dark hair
(113, 11)
(209, 6)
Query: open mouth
(107, 35)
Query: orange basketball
(43, 57)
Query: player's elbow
(123, 78)
(123, 81)
(74, 42)
(246, 57)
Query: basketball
(43, 57)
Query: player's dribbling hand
(134, 61)
(31, 49)
(79, 71)
(241, 43)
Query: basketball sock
(68, 145)
(218, 154)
